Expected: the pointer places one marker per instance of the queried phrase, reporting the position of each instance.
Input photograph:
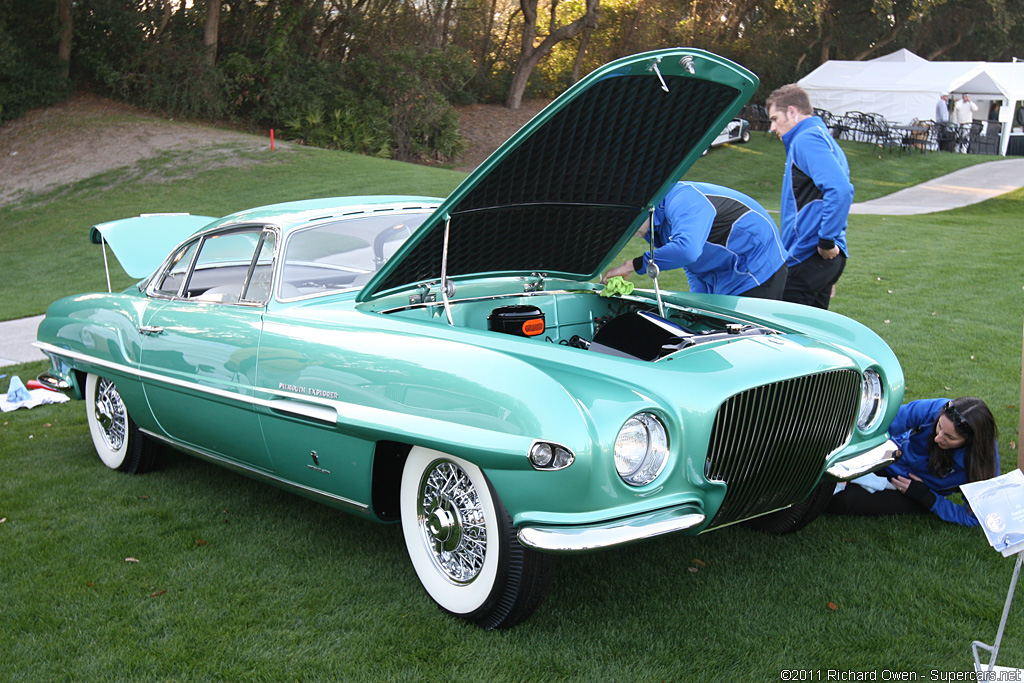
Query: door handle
(151, 330)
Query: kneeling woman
(944, 444)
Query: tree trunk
(485, 38)
(531, 55)
(577, 65)
(168, 12)
(66, 32)
(210, 31)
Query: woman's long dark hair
(980, 458)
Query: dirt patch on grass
(485, 126)
(88, 135)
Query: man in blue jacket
(816, 198)
(724, 240)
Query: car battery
(523, 321)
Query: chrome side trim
(297, 407)
(354, 418)
(143, 374)
(865, 463)
(572, 539)
(262, 475)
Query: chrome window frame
(148, 286)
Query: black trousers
(772, 288)
(810, 281)
(857, 500)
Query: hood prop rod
(652, 267)
(106, 268)
(446, 284)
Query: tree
(66, 32)
(531, 53)
(210, 31)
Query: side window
(228, 267)
(224, 265)
(169, 282)
(261, 270)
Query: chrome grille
(770, 443)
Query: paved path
(960, 188)
(16, 337)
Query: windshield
(343, 255)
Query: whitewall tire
(463, 546)
(117, 439)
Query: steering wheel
(383, 237)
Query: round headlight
(641, 449)
(541, 455)
(870, 400)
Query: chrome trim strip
(571, 539)
(865, 463)
(262, 475)
(358, 418)
(143, 374)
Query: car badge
(316, 464)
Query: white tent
(903, 86)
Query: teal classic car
(450, 365)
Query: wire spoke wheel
(463, 546)
(451, 520)
(118, 441)
(111, 414)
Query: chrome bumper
(865, 463)
(54, 383)
(572, 539)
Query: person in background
(963, 111)
(963, 115)
(943, 444)
(945, 135)
(942, 109)
(816, 198)
(725, 241)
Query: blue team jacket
(816, 191)
(912, 431)
(724, 240)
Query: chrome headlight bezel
(641, 449)
(548, 456)
(871, 395)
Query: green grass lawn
(237, 581)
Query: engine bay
(628, 327)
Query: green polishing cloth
(617, 286)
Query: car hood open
(568, 190)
